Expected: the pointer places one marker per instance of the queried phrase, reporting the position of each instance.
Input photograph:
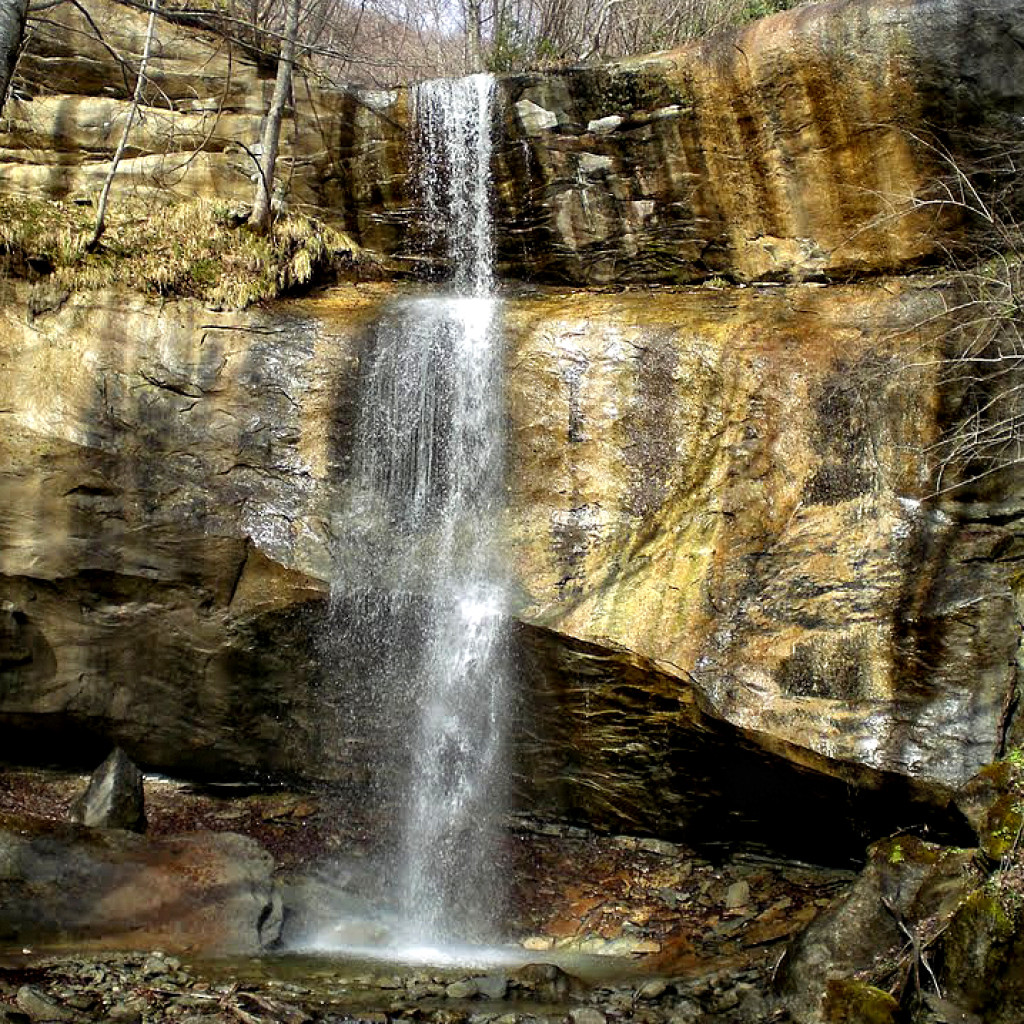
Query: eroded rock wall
(730, 483)
(805, 146)
(719, 521)
(153, 466)
(733, 555)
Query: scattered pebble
(587, 1015)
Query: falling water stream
(426, 492)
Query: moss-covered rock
(983, 951)
(849, 1001)
(858, 947)
(993, 802)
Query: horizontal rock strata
(719, 520)
(809, 145)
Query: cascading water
(425, 497)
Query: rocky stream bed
(601, 927)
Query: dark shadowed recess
(612, 742)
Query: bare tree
(525, 32)
(133, 110)
(977, 198)
(260, 219)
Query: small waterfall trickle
(425, 496)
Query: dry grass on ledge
(197, 248)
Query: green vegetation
(755, 9)
(1001, 834)
(195, 249)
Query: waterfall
(424, 499)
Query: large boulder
(112, 889)
(908, 893)
(926, 933)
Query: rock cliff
(807, 146)
(738, 574)
(715, 514)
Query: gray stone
(492, 986)
(603, 125)
(587, 1015)
(40, 1007)
(595, 163)
(653, 989)
(465, 988)
(685, 1012)
(535, 118)
(906, 882)
(737, 895)
(726, 1000)
(125, 1013)
(114, 797)
(752, 1007)
(545, 981)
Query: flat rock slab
(66, 885)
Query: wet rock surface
(155, 987)
(611, 925)
(730, 577)
(621, 928)
(660, 902)
(927, 933)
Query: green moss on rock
(983, 953)
(908, 849)
(849, 1001)
(994, 803)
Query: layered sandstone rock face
(737, 573)
(730, 485)
(200, 125)
(805, 146)
(715, 521)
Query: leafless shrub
(982, 368)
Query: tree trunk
(12, 29)
(474, 19)
(101, 211)
(260, 218)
